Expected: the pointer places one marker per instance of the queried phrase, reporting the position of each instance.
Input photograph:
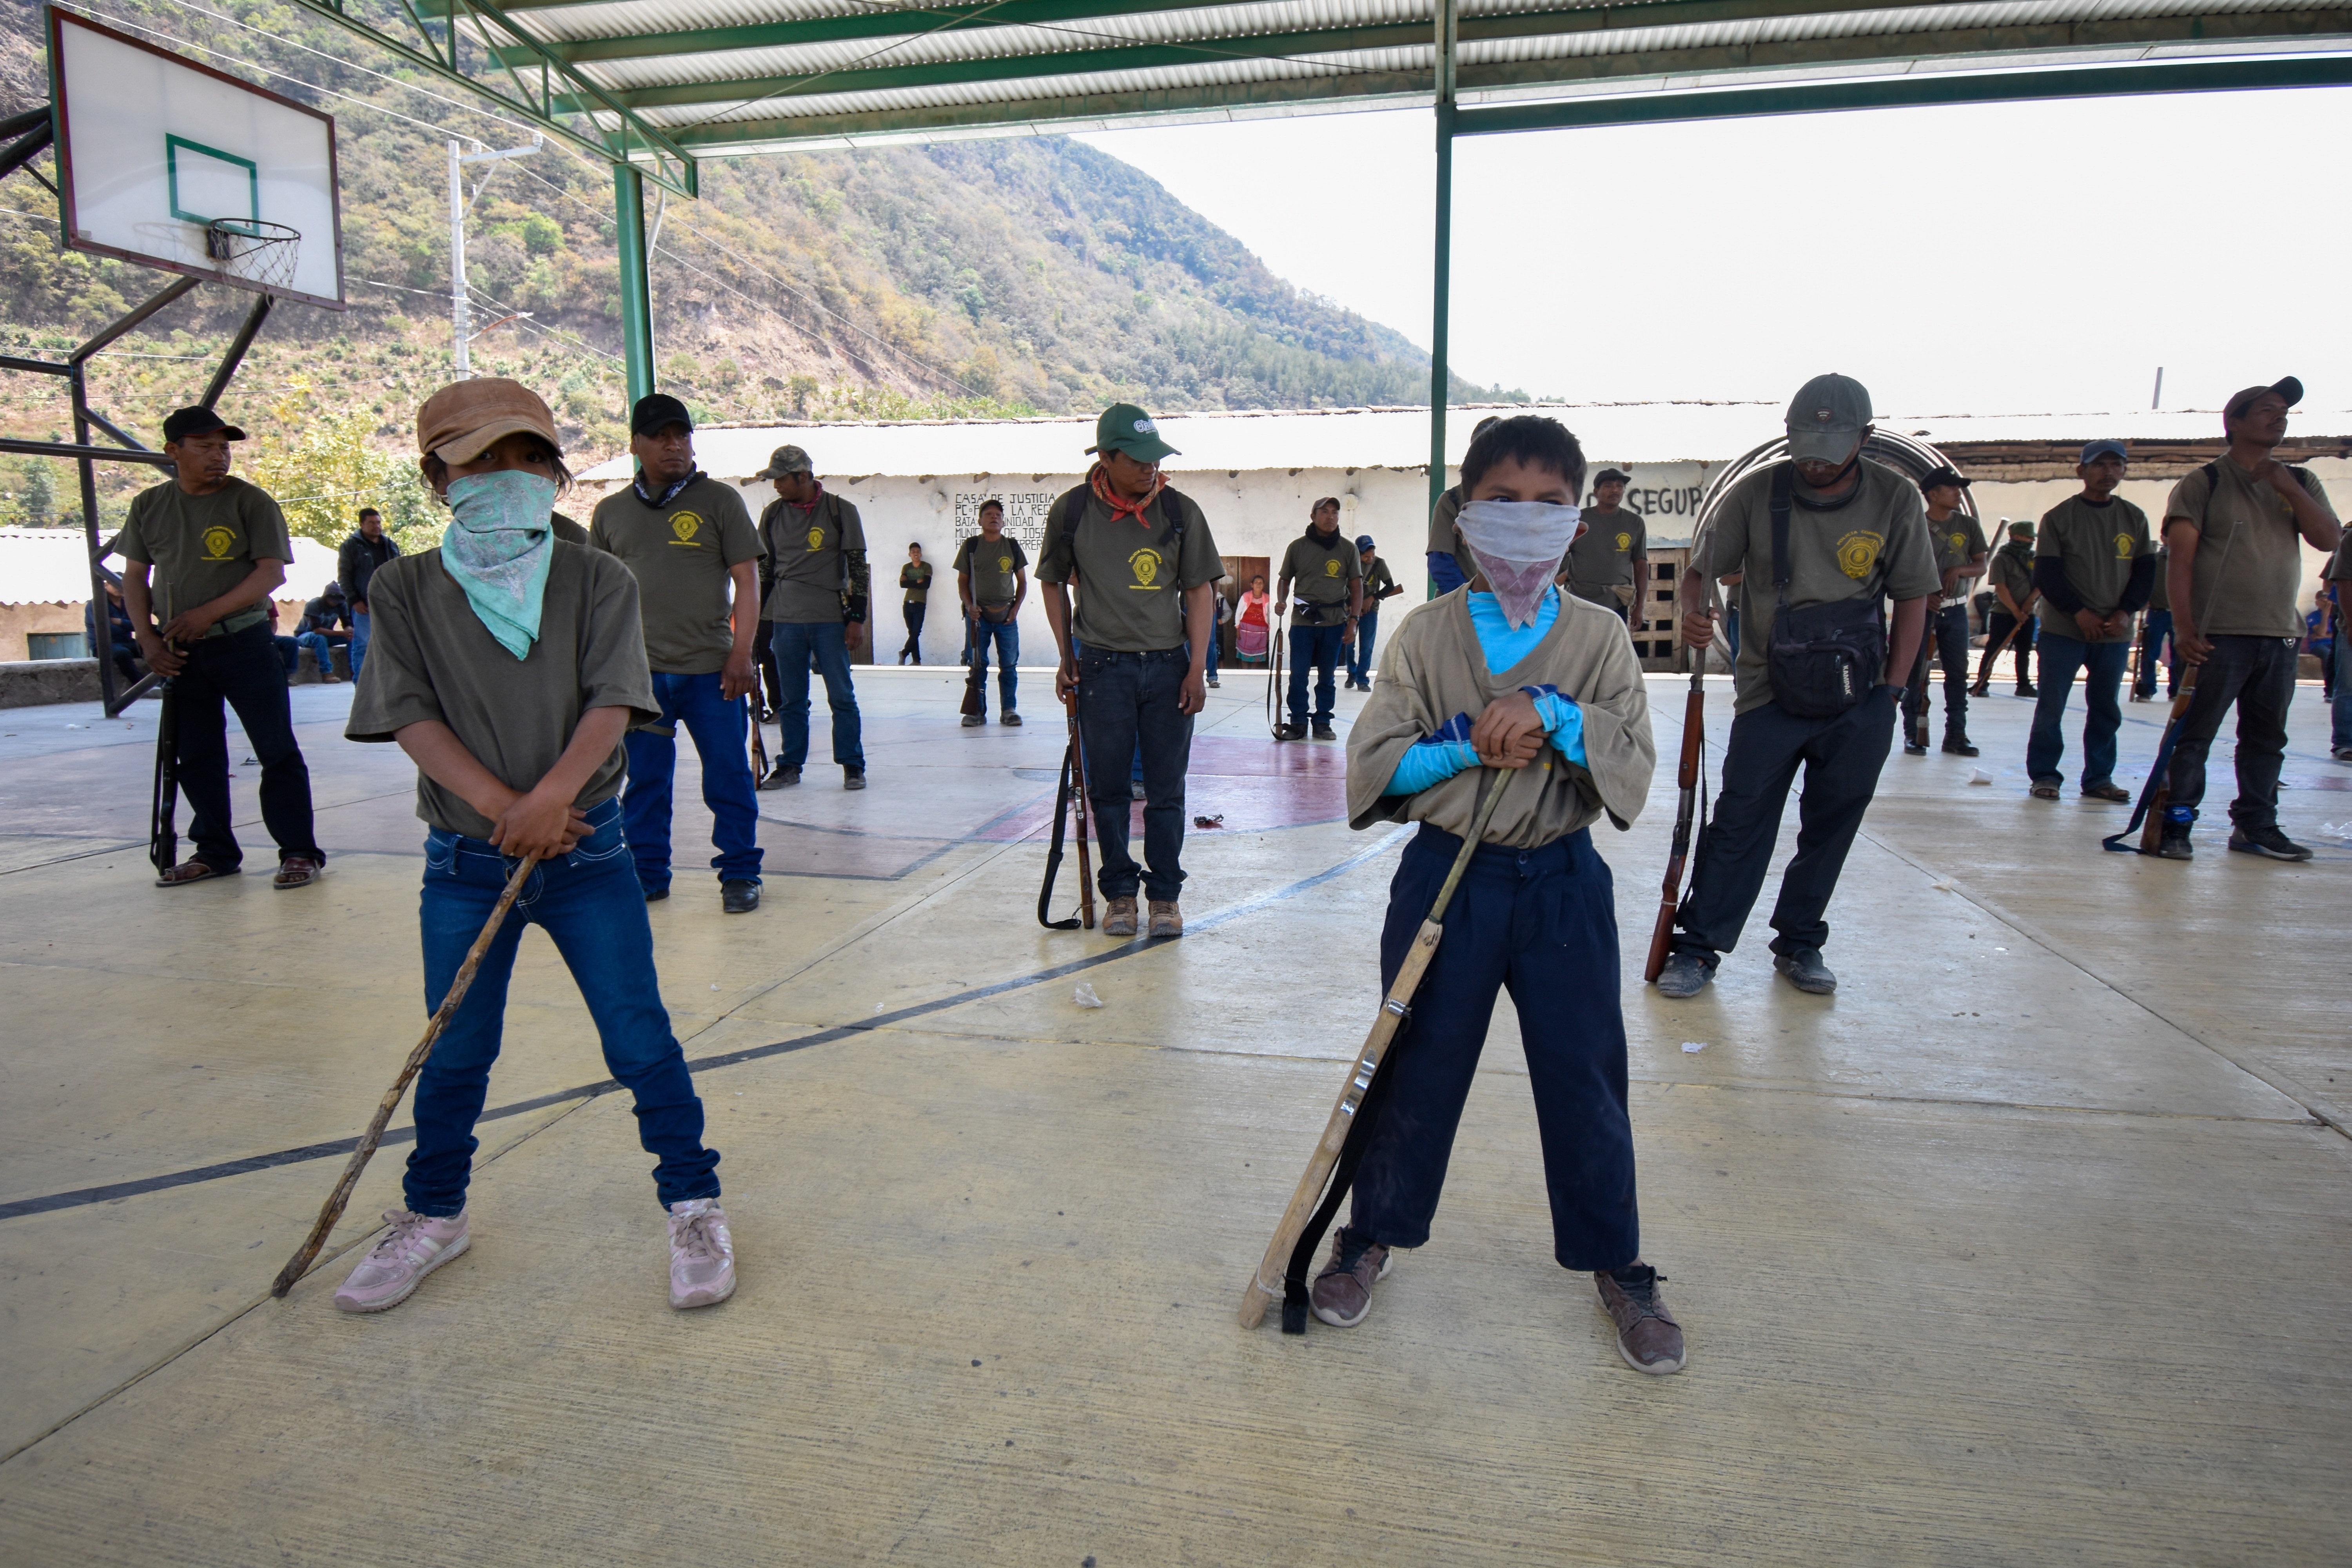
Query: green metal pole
(1442, 269)
(636, 290)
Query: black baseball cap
(657, 412)
(189, 422)
(2287, 387)
(1611, 477)
(1937, 478)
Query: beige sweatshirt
(1433, 669)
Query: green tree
(322, 470)
(39, 498)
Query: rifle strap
(1054, 848)
(1367, 1121)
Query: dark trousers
(589, 904)
(2258, 674)
(913, 646)
(2102, 664)
(2156, 631)
(1319, 646)
(798, 645)
(1359, 659)
(1948, 629)
(764, 650)
(1841, 757)
(243, 669)
(1127, 701)
(1997, 626)
(1542, 922)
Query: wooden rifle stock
(1661, 936)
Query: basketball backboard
(174, 165)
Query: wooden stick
(300, 1264)
(1361, 1073)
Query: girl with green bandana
(508, 664)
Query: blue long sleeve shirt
(1440, 756)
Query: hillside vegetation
(976, 279)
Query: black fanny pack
(1825, 658)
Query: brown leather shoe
(1119, 917)
(1343, 1291)
(1647, 1335)
(297, 871)
(188, 872)
(1167, 919)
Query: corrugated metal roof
(729, 74)
(1382, 438)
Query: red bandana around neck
(1099, 478)
(811, 502)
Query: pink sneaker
(701, 1254)
(398, 1264)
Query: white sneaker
(397, 1265)
(701, 1254)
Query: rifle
(163, 829)
(1983, 685)
(1273, 692)
(2147, 816)
(759, 742)
(1662, 935)
(1074, 766)
(974, 698)
(1348, 1130)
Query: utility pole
(2157, 401)
(461, 314)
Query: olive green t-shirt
(916, 580)
(680, 553)
(2096, 545)
(993, 566)
(804, 558)
(1875, 546)
(202, 546)
(429, 656)
(1958, 540)
(2012, 568)
(2250, 587)
(1602, 555)
(1131, 573)
(1441, 537)
(1320, 572)
(1378, 581)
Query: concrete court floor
(2029, 1246)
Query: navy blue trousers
(1542, 922)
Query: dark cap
(1364, 542)
(2287, 387)
(1937, 478)
(1331, 501)
(1611, 477)
(784, 460)
(657, 412)
(1826, 419)
(190, 422)
(2094, 450)
(1124, 427)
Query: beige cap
(466, 418)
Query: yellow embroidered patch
(219, 543)
(684, 524)
(816, 539)
(2123, 543)
(1145, 565)
(1857, 553)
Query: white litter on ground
(1692, 1048)
(1085, 997)
(2336, 830)
(1979, 777)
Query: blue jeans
(1541, 923)
(1005, 638)
(1359, 665)
(717, 726)
(323, 651)
(2102, 664)
(589, 904)
(1127, 701)
(1318, 646)
(794, 643)
(2156, 631)
(359, 641)
(1216, 632)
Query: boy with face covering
(508, 664)
(1508, 683)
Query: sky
(2003, 258)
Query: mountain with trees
(972, 279)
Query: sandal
(298, 871)
(188, 872)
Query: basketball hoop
(250, 251)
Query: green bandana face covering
(499, 546)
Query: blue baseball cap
(1364, 542)
(2097, 449)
